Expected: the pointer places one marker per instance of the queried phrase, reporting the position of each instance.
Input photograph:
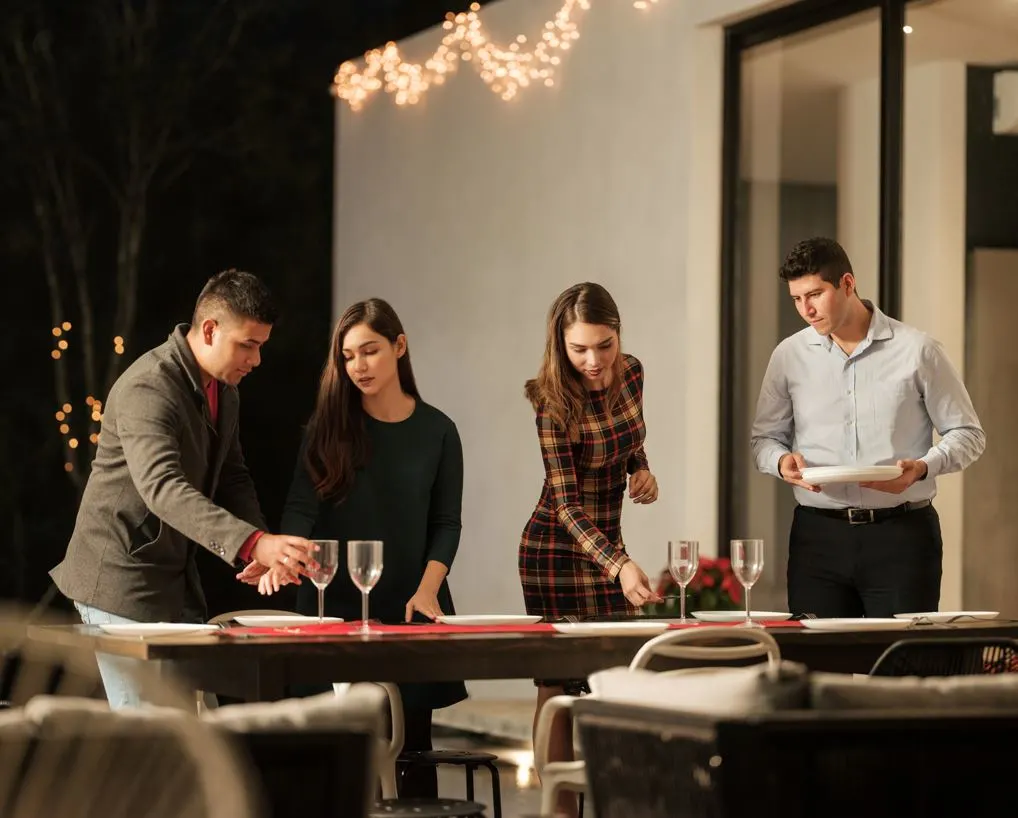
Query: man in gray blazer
(169, 477)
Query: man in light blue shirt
(858, 388)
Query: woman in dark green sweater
(378, 463)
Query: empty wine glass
(683, 562)
(747, 564)
(364, 562)
(322, 569)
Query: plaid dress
(572, 549)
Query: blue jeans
(121, 688)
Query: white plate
(820, 475)
(611, 628)
(489, 619)
(947, 616)
(156, 629)
(854, 624)
(740, 616)
(282, 621)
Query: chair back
(948, 657)
(709, 647)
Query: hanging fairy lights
(506, 69)
(95, 405)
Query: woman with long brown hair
(588, 399)
(378, 463)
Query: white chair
(691, 645)
(388, 750)
(203, 700)
(66, 753)
(700, 645)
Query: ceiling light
(907, 29)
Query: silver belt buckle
(860, 516)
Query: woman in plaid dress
(588, 398)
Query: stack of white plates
(821, 475)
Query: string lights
(506, 69)
(94, 405)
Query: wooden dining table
(265, 667)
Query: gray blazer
(148, 502)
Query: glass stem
(321, 605)
(682, 604)
(364, 610)
(748, 620)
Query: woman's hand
(636, 586)
(643, 486)
(423, 602)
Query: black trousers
(837, 569)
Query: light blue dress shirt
(874, 407)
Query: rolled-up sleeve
(951, 411)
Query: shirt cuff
(614, 564)
(934, 461)
(244, 555)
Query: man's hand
(643, 486)
(790, 468)
(636, 586)
(284, 558)
(911, 472)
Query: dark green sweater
(408, 496)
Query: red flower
(708, 580)
(724, 565)
(732, 587)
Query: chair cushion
(362, 707)
(726, 691)
(835, 691)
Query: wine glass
(683, 562)
(322, 568)
(747, 564)
(364, 562)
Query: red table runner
(353, 628)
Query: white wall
(471, 214)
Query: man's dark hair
(817, 256)
(236, 292)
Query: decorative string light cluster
(505, 69)
(94, 405)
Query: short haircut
(241, 294)
(817, 256)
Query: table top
(221, 644)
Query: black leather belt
(860, 516)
